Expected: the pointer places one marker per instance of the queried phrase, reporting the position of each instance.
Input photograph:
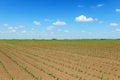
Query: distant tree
(54, 39)
(102, 39)
(33, 39)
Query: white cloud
(118, 30)
(24, 31)
(5, 25)
(60, 30)
(21, 26)
(55, 24)
(32, 29)
(47, 20)
(52, 33)
(96, 19)
(16, 27)
(83, 31)
(100, 5)
(59, 23)
(50, 27)
(117, 10)
(1, 32)
(66, 31)
(113, 24)
(83, 18)
(37, 23)
(97, 6)
(12, 30)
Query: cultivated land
(60, 60)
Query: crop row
(52, 60)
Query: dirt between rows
(36, 63)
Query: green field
(60, 60)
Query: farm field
(60, 60)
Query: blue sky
(62, 19)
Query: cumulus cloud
(0, 31)
(118, 30)
(100, 5)
(37, 23)
(21, 26)
(59, 23)
(11, 29)
(96, 19)
(5, 25)
(66, 31)
(32, 29)
(83, 18)
(59, 30)
(24, 31)
(97, 6)
(113, 24)
(47, 20)
(50, 27)
(52, 33)
(117, 10)
(56, 24)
